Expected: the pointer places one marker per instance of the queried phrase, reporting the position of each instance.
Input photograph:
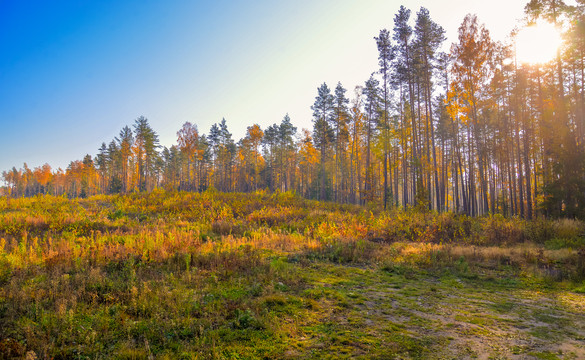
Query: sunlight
(537, 44)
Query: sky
(74, 73)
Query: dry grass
(221, 275)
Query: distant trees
(467, 131)
(250, 160)
(323, 134)
(404, 80)
(223, 152)
(472, 70)
(308, 158)
(385, 57)
(191, 148)
(145, 153)
(428, 38)
(371, 104)
(339, 122)
(280, 155)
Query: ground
(261, 276)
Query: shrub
(499, 231)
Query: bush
(499, 231)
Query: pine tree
(322, 132)
(145, 150)
(385, 57)
(339, 124)
(428, 38)
(371, 104)
(472, 70)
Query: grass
(255, 276)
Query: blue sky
(73, 73)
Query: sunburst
(538, 43)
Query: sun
(537, 44)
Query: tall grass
(173, 273)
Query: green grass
(256, 276)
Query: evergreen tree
(322, 132)
(428, 38)
(340, 119)
(385, 57)
(145, 150)
(372, 104)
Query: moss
(546, 355)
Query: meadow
(175, 275)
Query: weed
(211, 275)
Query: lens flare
(538, 44)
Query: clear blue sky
(73, 73)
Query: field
(269, 276)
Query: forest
(471, 130)
(437, 211)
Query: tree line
(469, 130)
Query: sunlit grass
(212, 275)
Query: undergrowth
(214, 275)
